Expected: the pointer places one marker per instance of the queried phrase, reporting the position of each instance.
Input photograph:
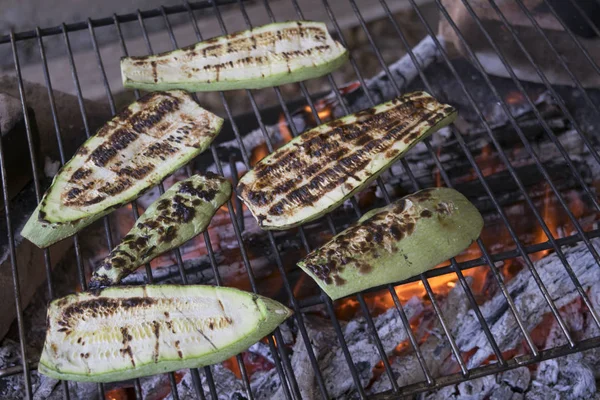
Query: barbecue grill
(488, 259)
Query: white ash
(403, 72)
(435, 349)
(51, 389)
(569, 377)
(528, 300)
(508, 385)
(228, 387)
(331, 360)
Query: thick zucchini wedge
(135, 150)
(178, 215)
(265, 56)
(128, 332)
(316, 171)
(395, 242)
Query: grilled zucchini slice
(395, 242)
(128, 332)
(135, 150)
(178, 215)
(316, 171)
(265, 56)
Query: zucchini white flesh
(316, 171)
(178, 215)
(128, 332)
(395, 242)
(135, 150)
(265, 56)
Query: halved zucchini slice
(135, 150)
(178, 215)
(265, 56)
(393, 243)
(316, 171)
(128, 332)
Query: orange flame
(284, 131)
(258, 153)
(379, 302)
(549, 217)
(232, 365)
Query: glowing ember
(515, 97)
(253, 363)
(258, 153)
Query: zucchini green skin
(135, 150)
(44, 234)
(181, 213)
(128, 332)
(395, 242)
(264, 56)
(318, 170)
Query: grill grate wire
(280, 353)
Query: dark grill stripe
(238, 44)
(314, 156)
(124, 130)
(331, 177)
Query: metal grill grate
(280, 353)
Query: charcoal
(435, 349)
(228, 387)
(509, 385)
(51, 389)
(403, 72)
(518, 378)
(528, 300)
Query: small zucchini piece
(135, 150)
(178, 215)
(316, 171)
(128, 332)
(264, 56)
(395, 242)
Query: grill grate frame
(280, 354)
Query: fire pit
(514, 316)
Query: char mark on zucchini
(127, 332)
(179, 214)
(395, 242)
(325, 165)
(135, 150)
(264, 56)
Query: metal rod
(513, 235)
(543, 224)
(106, 21)
(52, 104)
(543, 77)
(577, 42)
(488, 260)
(9, 228)
(239, 358)
(237, 230)
(521, 187)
